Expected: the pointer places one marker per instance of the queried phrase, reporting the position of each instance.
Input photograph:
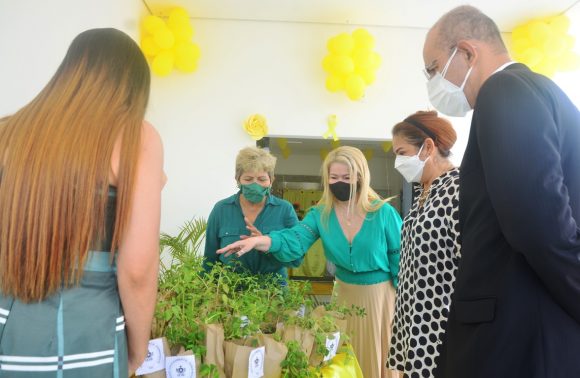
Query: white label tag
(245, 321)
(256, 363)
(332, 345)
(301, 311)
(155, 360)
(180, 367)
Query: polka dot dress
(430, 253)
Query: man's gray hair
(467, 22)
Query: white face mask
(447, 97)
(411, 167)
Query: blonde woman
(361, 236)
(251, 211)
(79, 217)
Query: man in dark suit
(516, 307)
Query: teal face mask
(254, 192)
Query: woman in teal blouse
(361, 236)
(251, 211)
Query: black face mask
(341, 190)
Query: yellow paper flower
(256, 126)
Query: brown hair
(56, 160)
(426, 124)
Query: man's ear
(470, 51)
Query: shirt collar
(503, 66)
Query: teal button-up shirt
(372, 257)
(226, 223)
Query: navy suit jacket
(516, 307)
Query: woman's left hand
(241, 247)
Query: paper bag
(275, 353)
(214, 343)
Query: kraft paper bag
(304, 337)
(240, 361)
(275, 353)
(214, 343)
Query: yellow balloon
(163, 63)
(182, 32)
(341, 44)
(152, 23)
(334, 83)
(148, 46)
(164, 38)
(355, 87)
(559, 24)
(341, 65)
(362, 59)
(546, 68)
(327, 63)
(519, 45)
(186, 56)
(555, 46)
(570, 41)
(178, 17)
(539, 32)
(532, 56)
(521, 31)
(368, 76)
(363, 39)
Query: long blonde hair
(367, 200)
(56, 160)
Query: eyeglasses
(430, 70)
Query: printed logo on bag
(256, 363)
(301, 311)
(332, 345)
(155, 359)
(180, 367)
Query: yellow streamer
(331, 128)
(386, 145)
(286, 152)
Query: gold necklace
(424, 195)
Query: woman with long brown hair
(81, 180)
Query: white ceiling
(405, 13)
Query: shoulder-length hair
(367, 199)
(56, 161)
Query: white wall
(273, 69)
(246, 67)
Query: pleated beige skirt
(370, 335)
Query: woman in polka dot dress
(430, 248)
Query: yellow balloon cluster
(351, 63)
(168, 45)
(545, 46)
